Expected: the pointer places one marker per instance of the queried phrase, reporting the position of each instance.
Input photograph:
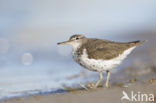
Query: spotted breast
(99, 65)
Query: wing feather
(104, 49)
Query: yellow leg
(107, 79)
(100, 79)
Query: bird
(99, 55)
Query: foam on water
(21, 80)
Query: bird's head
(75, 41)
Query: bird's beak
(65, 42)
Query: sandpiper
(99, 55)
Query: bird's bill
(65, 42)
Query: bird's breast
(76, 56)
(98, 65)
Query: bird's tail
(138, 42)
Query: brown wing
(104, 49)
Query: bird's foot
(91, 85)
(88, 86)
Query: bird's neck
(77, 46)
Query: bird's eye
(77, 38)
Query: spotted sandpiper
(99, 55)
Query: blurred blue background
(30, 30)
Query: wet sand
(100, 95)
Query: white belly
(100, 65)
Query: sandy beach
(100, 95)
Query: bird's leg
(107, 79)
(98, 82)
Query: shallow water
(39, 77)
